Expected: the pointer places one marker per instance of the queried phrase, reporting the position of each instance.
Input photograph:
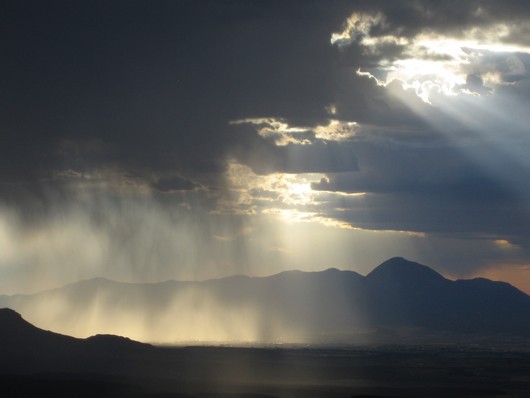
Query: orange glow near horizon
(516, 275)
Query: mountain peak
(14, 328)
(113, 342)
(11, 322)
(402, 269)
(332, 270)
(9, 315)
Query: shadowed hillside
(24, 347)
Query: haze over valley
(398, 301)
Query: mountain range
(293, 307)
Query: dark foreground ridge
(398, 300)
(35, 362)
(24, 346)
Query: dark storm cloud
(466, 185)
(319, 157)
(128, 97)
(360, 99)
(174, 184)
(414, 168)
(474, 208)
(408, 18)
(156, 86)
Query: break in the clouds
(198, 139)
(477, 58)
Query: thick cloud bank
(201, 138)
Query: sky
(145, 141)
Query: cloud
(435, 186)
(157, 89)
(211, 118)
(433, 60)
(173, 184)
(357, 28)
(452, 165)
(281, 134)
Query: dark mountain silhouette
(293, 306)
(403, 293)
(25, 347)
(398, 270)
(24, 338)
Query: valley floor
(222, 372)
